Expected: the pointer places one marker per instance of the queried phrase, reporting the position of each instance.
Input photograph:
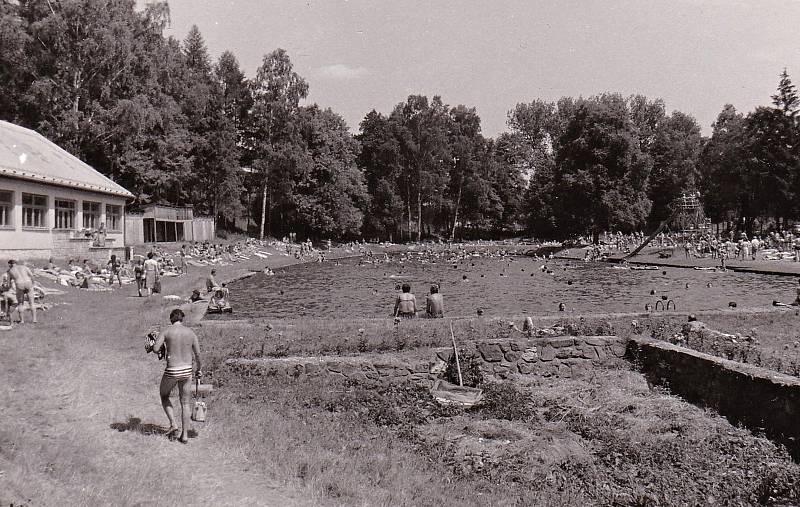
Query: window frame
(7, 210)
(91, 213)
(33, 207)
(58, 209)
(114, 210)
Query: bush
(470, 369)
(505, 400)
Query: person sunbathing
(406, 304)
(434, 304)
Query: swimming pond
(498, 285)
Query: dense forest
(165, 120)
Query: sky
(359, 55)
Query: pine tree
(194, 48)
(786, 99)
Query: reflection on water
(501, 286)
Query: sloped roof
(28, 155)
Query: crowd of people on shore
(772, 246)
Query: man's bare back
(22, 276)
(182, 346)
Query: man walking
(182, 346)
(22, 276)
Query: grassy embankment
(601, 441)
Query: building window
(113, 217)
(65, 214)
(34, 211)
(6, 207)
(91, 215)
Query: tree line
(158, 116)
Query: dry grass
(608, 440)
(81, 416)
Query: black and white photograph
(399, 253)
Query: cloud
(342, 71)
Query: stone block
(601, 352)
(313, 369)
(297, 370)
(526, 368)
(561, 342)
(491, 352)
(530, 355)
(564, 370)
(597, 341)
(618, 349)
(518, 346)
(588, 352)
(334, 366)
(513, 356)
(565, 353)
(505, 346)
(548, 353)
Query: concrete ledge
(757, 398)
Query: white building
(54, 205)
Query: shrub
(506, 400)
(471, 372)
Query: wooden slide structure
(655, 233)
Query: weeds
(505, 400)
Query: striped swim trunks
(178, 372)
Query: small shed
(161, 223)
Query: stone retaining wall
(558, 356)
(563, 356)
(760, 399)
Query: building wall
(203, 229)
(28, 243)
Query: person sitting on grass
(406, 304)
(211, 281)
(182, 345)
(434, 305)
(22, 276)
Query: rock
(561, 342)
(530, 355)
(597, 341)
(588, 352)
(548, 353)
(526, 368)
(512, 356)
(335, 366)
(313, 369)
(438, 367)
(490, 352)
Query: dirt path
(82, 424)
